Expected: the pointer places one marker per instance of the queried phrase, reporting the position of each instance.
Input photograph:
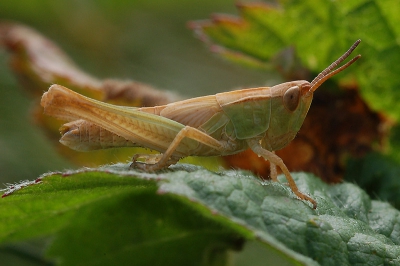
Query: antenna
(331, 71)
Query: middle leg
(167, 157)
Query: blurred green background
(147, 41)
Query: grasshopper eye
(291, 98)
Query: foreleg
(272, 171)
(255, 145)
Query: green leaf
(189, 215)
(378, 174)
(321, 31)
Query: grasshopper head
(294, 101)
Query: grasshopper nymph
(263, 119)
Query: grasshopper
(263, 119)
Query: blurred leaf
(320, 30)
(152, 218)
(39, 63)
(378, 175)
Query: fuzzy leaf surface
(191, 214)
